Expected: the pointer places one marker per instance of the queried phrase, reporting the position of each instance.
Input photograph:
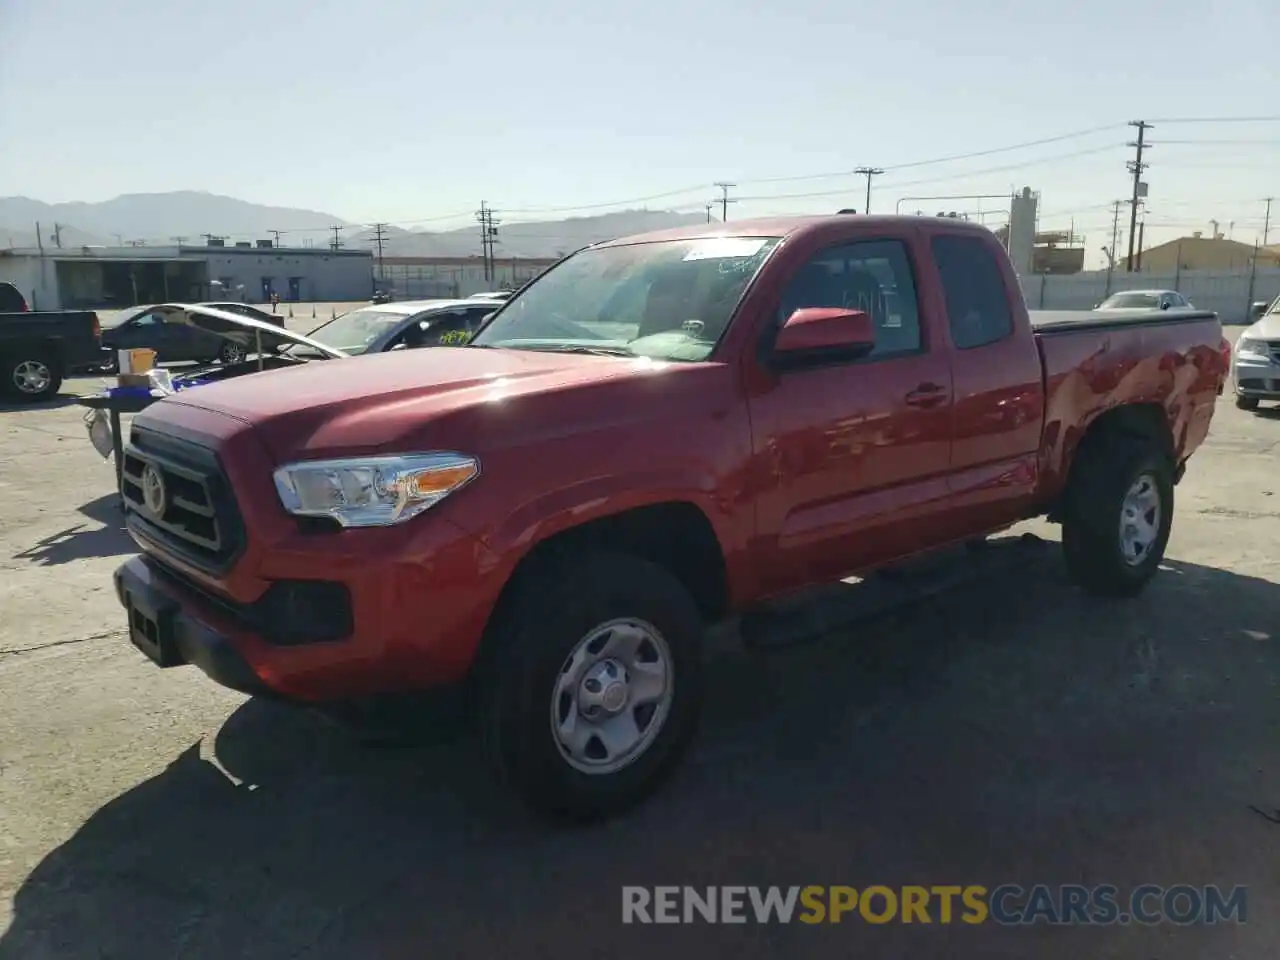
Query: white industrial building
(109, 278)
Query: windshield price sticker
(726, 247)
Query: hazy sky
(404, 110)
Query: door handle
(927, 395)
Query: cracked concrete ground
(1004, 729)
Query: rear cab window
(978, 309)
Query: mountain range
(161, 218)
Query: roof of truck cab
(789, 226)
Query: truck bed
(1166, 360)
(1077, 321)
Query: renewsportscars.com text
(1007, 904)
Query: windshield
(669, 300)
(1131, 301)
(353, 332)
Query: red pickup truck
(658, 432)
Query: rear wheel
(1247, 403)
(231, 353)
(32, 376)
(590, 686)
(1118, 515)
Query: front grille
(1273, 349)
(176, 494)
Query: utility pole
(488, 238)
(379, 235)
(1266, 223)
(119, 239)
(57, 235)
(868, 172)
(709, 205)
(1115, 233)
(1136, 166)
(724, 200)
(276, 235)
(179, 240)
(1142, 226)
(336, 242)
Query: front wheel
(32, 377)
(1246, 403)
(231, 353)
(591, 684)
(1118, 515)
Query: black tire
(1247, 403)
(20, 370)
(232, 353)
(556, 606)
(1106, 469)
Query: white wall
(1224, 292)
(25, 273)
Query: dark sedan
(156, 329)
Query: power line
(724, 199)
(1136, 166)
(944, 179)
(868, 172)
(1275, 119)
(1044, 141)
(1232, 143)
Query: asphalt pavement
(995, 727)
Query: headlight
(372, 491)
(1249, 347)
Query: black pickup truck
(40, 347)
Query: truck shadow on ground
(53, 403)
(1009, 730)
(83, 540)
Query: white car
(1144, 300)
(1255, 361)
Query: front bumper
(172, 637)
(1256, 376)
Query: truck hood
(395, 401)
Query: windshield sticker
(726, 247)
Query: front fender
(511, 537)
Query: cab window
(873, 276)
(978, 310)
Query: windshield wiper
(597, 351)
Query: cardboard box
(138, 360)
(133, 379)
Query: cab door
(856, 451)
(998, 377)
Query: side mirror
(825, 333)
(1256, 310)
(1165, 305)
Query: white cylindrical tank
(1022, 230)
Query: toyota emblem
(154, 495)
